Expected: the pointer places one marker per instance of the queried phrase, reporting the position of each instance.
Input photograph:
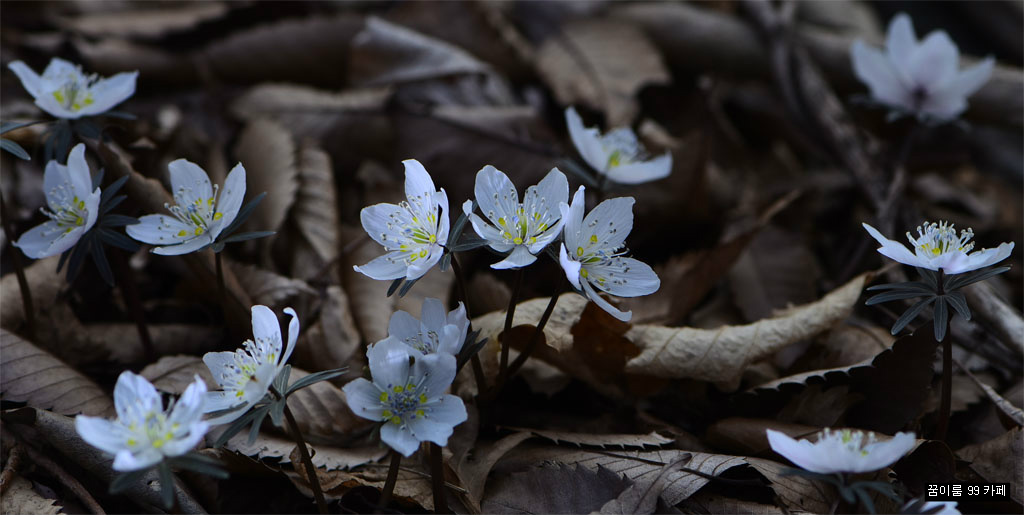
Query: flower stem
(389, 483)
(535, 338)
(19, 270)
(437, 479)
(509, 314)
(134, 303)
(307, 461)
(460, 281)
(220, 280)
(945, 403)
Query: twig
(389, 483)
(65, 479)
(437, 479)
(19, 270)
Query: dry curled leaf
(122, 342)
(20, 497)
(601, 63)
(32, 375)
(44, 283)
(794, 491)
(315, 213)
(309, 112)
(326, 457)
(272, 289)
(558, 489)
(267, 152)
(333, 341)
(721, 355)
(149, 21)
(998, 460)
(652, 439)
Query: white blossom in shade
(842, 450)
(617, 155)
(922, 78)
(592, 253)
(65, 92)
(522, 228)
(411, 232)
(144, 433)
(408, 398)
(72, 206)
(937, 246)
(435, 331)
(245, 375)
(200, 214)
(945, 507)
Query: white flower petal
(189, 407)
(78, 172)
(109, 92)
(443, 223)
(451, 339)
(801, 453)
(59, 69)
(433, 315)
(221, 400)
(384, 222)
(553, 189)
(586, 140)
(125, 461)
(160, 230)
(611, 221)
(571, 267)
(293, 336)
(387, 267)
(987, 257)
(572, 217)
(448, 409)
(57, 186)
(421, 266)
(266, 328)
(624, 277)
(184, 443)
(935, 61)
(363, 399)
(624, 316)
(29, 78)
(900, 41)
(134, 396)
(436, 371)
(496, 196)
(519, 258)
(892, 249)
(230, 200)
(45, 239)
(399, 438)
(389, 363)
(196, 243)
(487, 231)
(874, 69)
(403, 325)
(882, 454)
(950, 100)
(190, 182)
(426, 430)
(417, 181)
(102, 434)
(642, 171)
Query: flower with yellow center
(616, 155)
(245, 375)
(937, 246)
(409, 399)
(199, 214)
(522, 228)
(435, 331)
(842, 451)
(144, 433)
(65, 92)
(72, 207)
(592, 253)
(411, 232)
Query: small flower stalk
(521, 229)
(145, 435)
(616, 156)
(918, 78)
(66, 92)
(593, 253)
(411, 232)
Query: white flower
(434, 332)
(938, 247)
(617, 155)
(199, 215)
(246, 374)
(842, 451)
(596, 246)
(947, 507)
(409, 399)
(65, 92)
(73, 207)
(921, 78)
(144, 433)
(524, 228)
(412, 232)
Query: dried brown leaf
(109, 56)
(721, 355)
(274, 290)
(309, 112)
(999, 460)
(774, 271)
(315, 213)
(148, 21)
(20, 497)
(601, 63)
(267, 152)
(121, 340)
(173, 374)
(44, 283)
(652, 439)
(558, 489)
(473, 468)
(795, 492)
(707, 502)
(333, 341)
(325, 457)
(32, 375)
(1006, 407)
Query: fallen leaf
(652, 439)
(29, 374)
(720, 355)
(333, 341)
(315, 213)
(282, 449)
(1006, 407)
(601, 63)
(274, 290)
(44, 283)
(998, 460)
(267, 152)
(775, 270)
(794, 491)
(473, 468)
(20, 497)
(121, 340)
(558, 489)
(643, 498)
(707, 502)
(143, 20)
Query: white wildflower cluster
(842, 451)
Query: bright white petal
(437, 371)
(586, 140)
(519, 258)
(293, 336)
(900, 41)
(196, 243)
(624, 277)
(59, 69)
(230, 200)
(78, 172)
(892, 249)
(443, 223)
(185, 443)
(451, 339)
(426, 430)
(496, 196)
(935, 61)
(988, 257)
(363, 399)
(552, 190)
(624, 316)
(433, 315)
(800, 452)
(421, 266)
(644, 171)
(57, 186)
(389, 363)
(134, 397)
(448, 409)
(457, 317)
(266, 328)
(399, 438)
(874, 69)
(384, 223)
(882, 454)
(384, 268)
(44, 240)
(125, 461)
(102, 434)
(189, 182)
(220, 400)
(417, 181)
(160, 230)
(403, 325)
(611, 221)
(571, 267)
(107, 93)
(487, 231)
(29, 79)
(572, 216)
(189, 408)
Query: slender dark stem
(535, 338)
(945, 403)
(509, 314)
(460, 282)
(307, 461)
(389, 483)
(19, 270)
(220, 280)
(133, 300)
(437, 479)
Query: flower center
(197, 213)
(622, 147)
(236, 376)
(414, 228)
(403, 402)
(528, 221)
(75, 91)
(423, 342)
(936, 239)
